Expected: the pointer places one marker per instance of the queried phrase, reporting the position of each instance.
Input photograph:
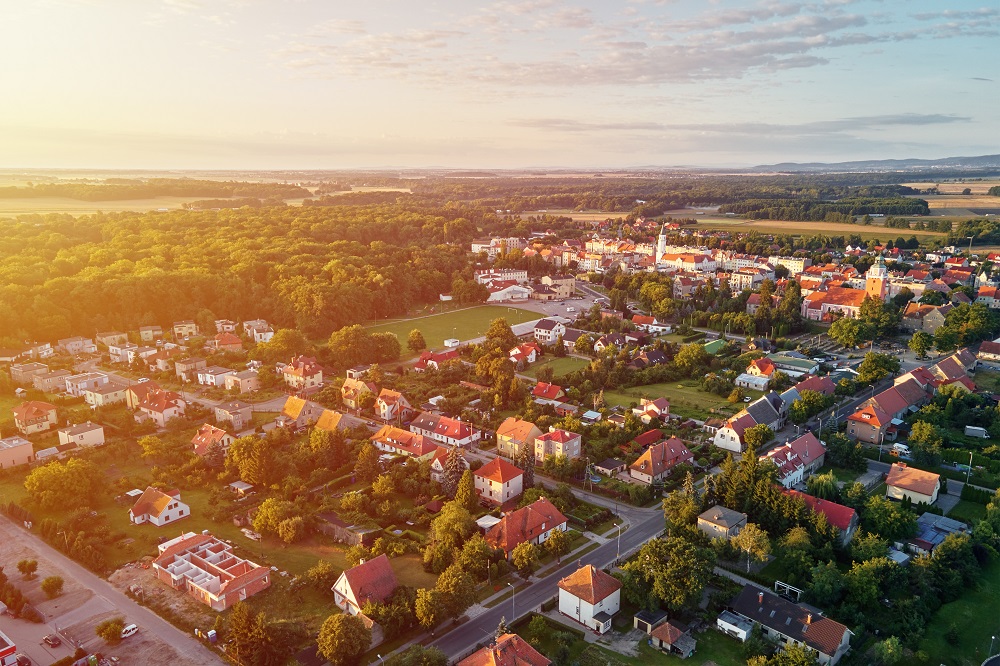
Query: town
(609, 441)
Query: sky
(314, 84)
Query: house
(34, 416)
(870, 424)
(158, 508)
(507, 650)
(208, 436)
(533, 523)
(547, 391)
(658, 461)
(108, 394)
(673, 638)
(787, 623)
(525, 353)
(571, 336)
(609, 340)
(184, 329)
(924, 317)
(721, 522)
(236, 413)
(769, 410)
(77, 345)
(989, 355)
(433, 360)
(445, 429)
(403, 442)
(564, 286)
(244, 381)
(440, 457)
(514, 434)
(77, 384)
(337, 529)
(547, 331)
(213, 375)
(752, 382)
(498, 481)
(730, 436)
(353, 392)
(226, 341)
(591, 597)
(301, 412)
(150, 333)
(650, 324)
(758, 374)
(119, 353)
(392, 406)
(162, 361)
(610, 466)
(844, 518)
(83, 434)
(797, 460)
(932, 530)
(187, 369)
(646, 358)
(15, 451)
(135, 393)
(902, 398)
(652, 409)
(161, 406)
(58, 452)
(25, 373)
(209, 571)
(111, 338)
(224, 326)
(332, 421)
(51, 382)
(904, 482)
(303, 373)
(557, 442)
(372, 580)
(823, 385)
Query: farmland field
(43, 205)
(462, 324)
(796, 227)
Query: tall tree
(524, 557)
(465, 494)
(754, 542)
(367, 467)
(671, 571)
(454, 468)
(415, 341)
(557, 544)
(526, 462)
(343, 639)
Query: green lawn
(686, 399)
(560, 366)
(842, 475)
(968, 512)
(988, 379)
(463, 324)
(977, 616)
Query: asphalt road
(461, 641)
(189, 651)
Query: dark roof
(762, 411)
(792, 620)
(546, 324)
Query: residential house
(332, 421)
(498, 482)
(797, 460)
(135, 393)
(227, 342)
(207, 569)
(119, 352)
(208, 436)
(571, 336)
(34, 416)
(353, 392)
(111, 338)
(303, 373)
(25, 373)
(557, 442)
(300, 412)
(403, 442)
(184, 329)
(108, 394)
(658, 461)
(870, 424)
(259, 330)
(77, 384)
(51, 382)
(932, 530)
(163, 360)
(525, 353)
(547, 391)
(514, 434)
(730, 436)
(548, 331)
(911, 483)
(652, 409)
(433, 360)
(563, 285)
(533, 523)
(507, 650)
(393, 406)
(372, 580)
(673, 638)
(787, 623)
(224, 326)
(187, 369)
(646, 358)
(161, 406)
(341, 531)
(77, 345)
(15, 451)
(650, 324)
(213, 375)
(440, 457)
(591, 597)
(819, 384)
(610, 466)
(989, 296)
(721, 522)
(83, 434)
(758, 374)
(158, 508)
(150, 333)
(844, 518)
(609, 340)
(924, 317)
(238, 414)
(902, 398)
(244, 381)
(446, 430)
(989, 355)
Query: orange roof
(373, 580)
(227, 340)
(410, 442)
(509, 650)
(302, 366)
(152, 502)
(872, 415)
(31, 410)
(206, 436)
(662, 457)
(908, 478)
(160, 400)
(669, 632)
(548, 391)
(499, 470)
(525, 524)
(765, 366)
(516, 429)
(590, 584)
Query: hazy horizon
(251, 85)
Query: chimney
(809, 619)
(760, 597)
(361, 561)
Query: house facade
(187, 369)
(547, 331)
(720, 522)
(372, 580)
(84, 434)
(208, 436)
(445, 429)
(243, 381)
(514, 434)
(498, 482)
(557, 442)
(15, 451)
(238, 414)
(591, 597)
(158, 508)
(353, 392)
(34, 416)
(392, 406)
(658, 461)
(911, 483)
(303, 373)
(534, 523)
(797, 460)
(108, 394)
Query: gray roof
(546, 324)
(723, 516)
(934, 529)
(81, 428)
(762, 411)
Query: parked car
(52, 640)
(22, 659)
(129, 630)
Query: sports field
(462, 324)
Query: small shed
(673, 638)
(240, 488)
(487, 522)
(647, 620)
(333, 526)
(732, 624)
(610, 466)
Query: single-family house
(673, 638)
(15, 451)
(51, 382)
(591, 597)
(498, 481)
(83, 434)
(547, 331)
(243, 381)
(547, 391)
(658, 461)
(730, 436)
(208, 436)
(161, 406)
(77, 384)
(932, 530)
(514, 434)
(25, 373)
(158, 508)
(534, 523)
(440, 457)
(111, 338)
(184, 329)
(445, 429)
(187, 368)
(393, 406)
(135, 393)
(797, 460)
(403, 442)
(303, 373)
(911, 483)
(609, 340)
(119, 352)
(111, 393)
(650, 324)
(719, 521)
(652, 409)
(341, 531)
(150, 333)
(525, 353)
(226, 341)
(844, 518)
(238, 414)
(224, 326)
(557, 442)
(430, 360)
(507, 650)
(372, 580)
(214, 375)
(34, 416)
(353, 392)
(77, 345)
(870, 424)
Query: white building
(158, 508)
(84, 434)
(591, 597)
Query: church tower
(661, 244)
(877, 280)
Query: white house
(214, 375)
(158, 508)
(591, 597)
(372, 580)
(498, 481)
(84, 434)
(549, 330)
(911, 483)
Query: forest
(118, 189)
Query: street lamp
(513, 591)
(992, 638)
(381, 660)
(618, 552)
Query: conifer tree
(453, 470)
(465, 494)
(526, 461)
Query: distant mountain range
(978, 162)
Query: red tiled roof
(509, 650)
(910, 478)
(662, 457)
(590, 584)
(499, 470)
(669, 632)
(648, 438)
(524, 525)
(872, 415)
(822, 385)
(548, 391)
(516, 429)
(32, 410)
(160, 400)
(373, 580)
(409, 442)
(206, 436)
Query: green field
(462, 324)
(803, 228)
(975, 620)
(968, 512)
(560, 366)
(686, 399)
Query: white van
(571, 309)
(129, 630)
(901, 449)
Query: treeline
(123, 189)
(814, 210)
(983, 232)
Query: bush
(52, 586)
(111, 630)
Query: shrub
(52, 586)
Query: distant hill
(979, 162)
